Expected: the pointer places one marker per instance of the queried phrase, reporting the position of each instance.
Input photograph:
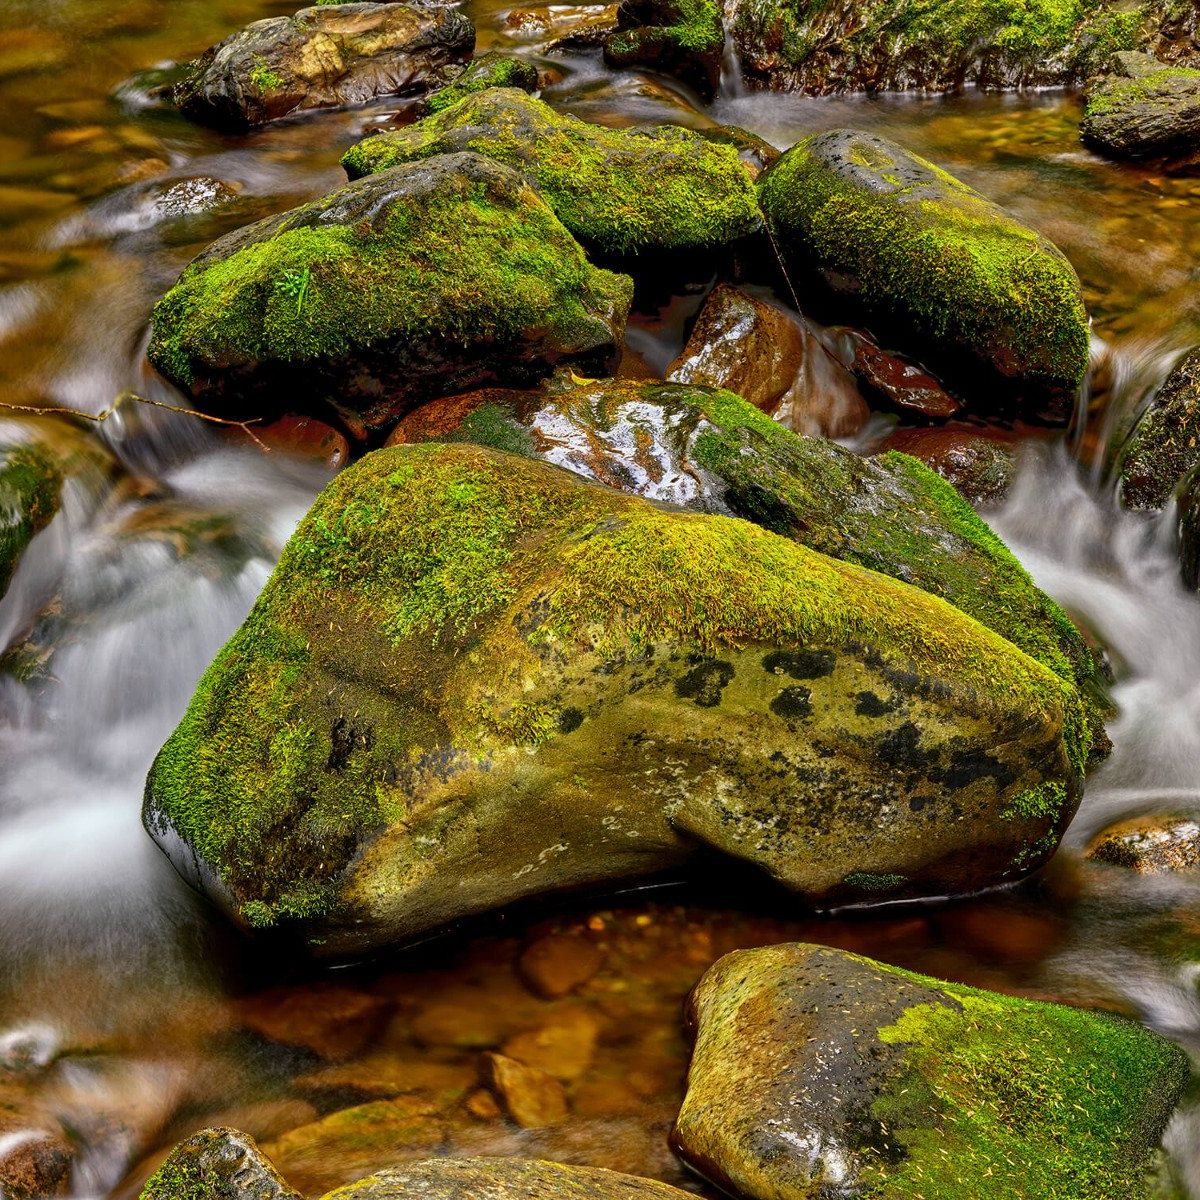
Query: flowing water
(129, 1015)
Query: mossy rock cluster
(823, 46)
(929, 262)
(30, 490)
(814, 1068)
(492, 70)
(710, 451)
(323, 57)
(1143, 109)
(419, 280)
(619, 191)
(474, 678)
(685, 38)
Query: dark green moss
(618, 190)
(30, 488)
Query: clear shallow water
(139, 1016)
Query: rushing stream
(135, 1016)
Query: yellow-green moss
(30, 487)
(491, 71)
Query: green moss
(263, 78)
(1039, 1100)
(929, 255)
(490, 71)
(30, 489)
(871, 882)
(619, 190)
(1038, 802)
(179, 1178)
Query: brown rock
(1150, 845)
(333, 1021)
(532, 1098)
(387, 1073)
(305, 437)
(559, 963)
(893, 381)
(981, 465)
(562, 1047)
(771, 358)
(33, 1163)
(465, 1026)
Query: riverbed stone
(710, 451)
(476, 677)
(30, 491)
(620, 191)
(1164, 446)
(991, 305)
(323, 57)
(1150, 845)
(770, 357)
(414, 282)
(531, 1096)
(831, 46)
(685, 38)
(217, 1164)
(1143, 108)
(980, 465)
(492, 70)
(814, 1066)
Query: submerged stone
(1143, 108)
(417, 281)
(710, 451)
(621, 191)
(322, 57)
(813, 1067)
(30, 490)
(474, 678)
(685, 38)
(990, 304)
(488, 71)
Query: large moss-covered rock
(685, 38)
(825, 46)
(816, 1070)
(30, 487)
(618, 190)
(932, 263)
(1143, 108)
(414, 282)
(324, 56)
(1164, 446)
(474, 678)
(712, 452)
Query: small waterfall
(732, 85)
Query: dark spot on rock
(345, 738)
(800, 664)
(966, 766)
(867, 704)
(793, 702)
(569, 720)
(901, 746)
(705, 682)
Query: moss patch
(30, 488)
(491, 71)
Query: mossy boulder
(620, 191)
(945, 45)
(30, 489)
(1164, 446)
(932, 266)
(814, 1068)
(474, 678)
(981, 465)
(217, 1164)
(685, 38)
(322, 57)
(1143, 109)
(491, 70)
(710, 451)
(420, 280)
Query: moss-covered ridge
(919, 251)
(712, 451)
(620, 191)
(416, 281)
(901, 1085)
(455, 687)
(30, 486)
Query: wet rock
(932, 267)
(217, 1164)
(303, 437)
(530, 1096)
(322, 57)
(684, 38)
(712, 452)
(1149, 845)
(1143, 109)
(1187, 501)
(1164, 446)
(892, 381)
(771, 358)
(475, 678)
(503, 1179)
(557, 964)
(332, 1021)
(386, 1074)
(447, 1023)
(410, 283)
(489, 71)
(813, 1065)
(563, 28)
(190, 197)
(563, 1045)
(622, 191)
(30, 489)
(907, 45)
(981, 467)
(34, 1163)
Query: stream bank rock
(813, 1066)
(1143, 109)
(30, 489)
(474, 678)
(684, 38)
(710, 451)
(322, 57)
(831, 46)
(920, 255)
(420, 280)
(620, 191)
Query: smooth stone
(533, 1098)
(557, 964)
(891, 380)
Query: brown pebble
(531, 1097)
(562, 1047)
(559, 963)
